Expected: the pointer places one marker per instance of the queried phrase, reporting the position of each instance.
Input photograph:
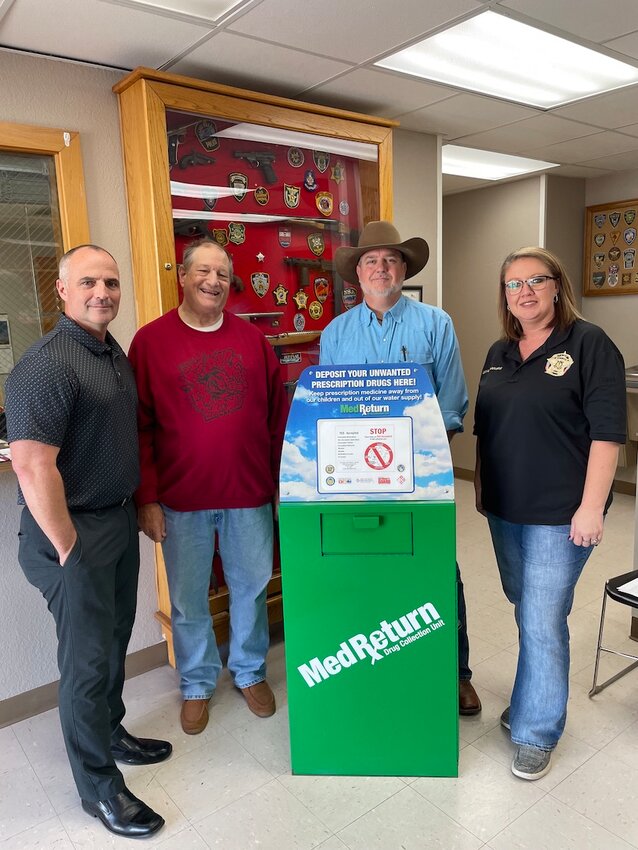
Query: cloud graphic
(435, 492)
(295, 465)
(428, 464)
(301, 441)
(298, 490)
(428, 428)
(304, 394)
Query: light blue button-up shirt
(410, 332)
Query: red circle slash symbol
(378, 455)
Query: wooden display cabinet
(280, 184)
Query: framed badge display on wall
(280, 184)
(610, 266)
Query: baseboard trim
(35, 701)
(628, 488)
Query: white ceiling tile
(377, 93)
(452, 183)
(275, 70)
(608, 111)
(96, 32)
(463, 114)
(591, 19)
(579, 170)
(542, 129)
(355, 31)
(619, 162)
(586, 148)
(627, 44)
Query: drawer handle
(366, 522)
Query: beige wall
(479, 229)
(564, 222)
(58, 94)
(415, 199)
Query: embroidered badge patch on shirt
(558, 364)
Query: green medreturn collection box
(367, 532)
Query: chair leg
(594, 687)
(618, 675)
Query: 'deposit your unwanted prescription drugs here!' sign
(366, 432)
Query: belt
(104, 508)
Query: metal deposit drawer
(353, 532)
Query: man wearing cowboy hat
(390, 328)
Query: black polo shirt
(73, 391)
(535, 421)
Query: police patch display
(280, 210)
(610, 260)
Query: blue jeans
(246, 547)
(539, 568)
(465, 674)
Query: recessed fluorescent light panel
(488, 165)
(197, 11)
(496, 55)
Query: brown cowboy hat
(382, 234)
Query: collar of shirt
(395, 312)
(79, 334)
(557, 337)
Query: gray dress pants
(92, 599)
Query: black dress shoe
(125, 815)
(131, 750)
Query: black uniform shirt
(535, 421)
(76, 392)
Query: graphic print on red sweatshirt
(216, 383)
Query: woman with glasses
(550, 417)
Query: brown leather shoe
(260, 699)
(469, 702)
(194, 715)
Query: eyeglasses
(536, 283)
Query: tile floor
(231, 787)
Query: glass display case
(279, 203)
(280, 184)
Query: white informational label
(365, 455)
(630, 587)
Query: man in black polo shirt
(71, 419)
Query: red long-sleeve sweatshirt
(212, 414)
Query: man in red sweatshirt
(212, 415)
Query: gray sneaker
(505, 719)
(531, 762)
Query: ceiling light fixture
(502, 57)
(488, 165)
(195, 11)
